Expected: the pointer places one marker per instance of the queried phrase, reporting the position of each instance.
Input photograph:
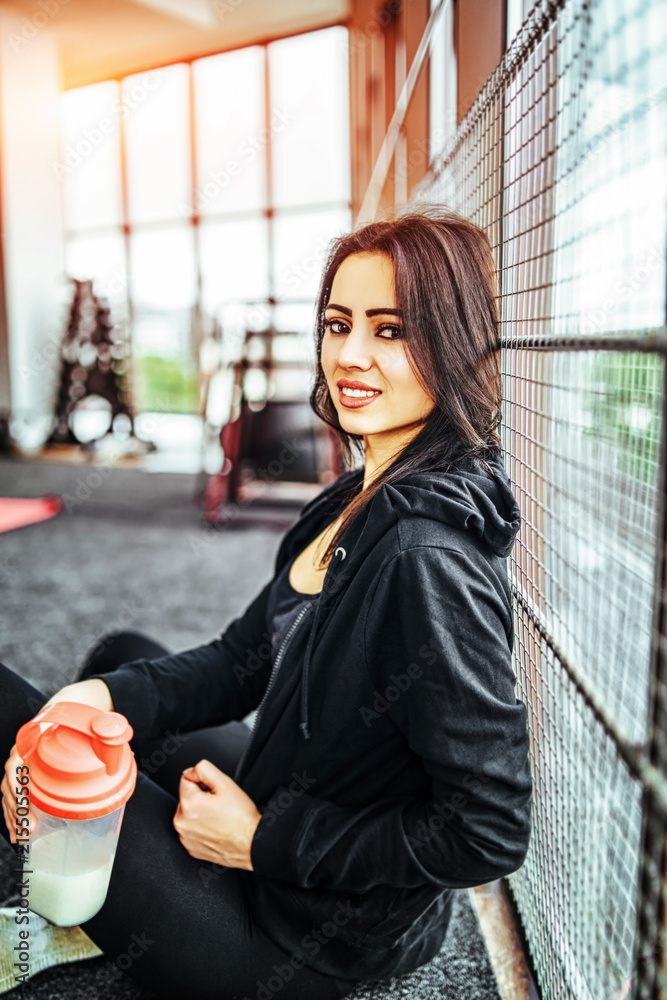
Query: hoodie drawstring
(303, 725)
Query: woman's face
(363, 349)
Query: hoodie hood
(468, 497)
(473, 496)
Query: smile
(353, 398)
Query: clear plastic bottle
(81, 772)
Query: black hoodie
(390, 754)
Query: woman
(388, 763)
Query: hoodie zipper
(279, 657)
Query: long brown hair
(445, 286)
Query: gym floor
(132, 554)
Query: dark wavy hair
(445, 287)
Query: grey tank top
(284, 605)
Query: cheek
(396, 369)
(327, 355)
(403, 380)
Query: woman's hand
(93, 692)
(215, 822)
(14, 786)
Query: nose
(354, 351)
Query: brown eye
(329, 324)
(395, 331)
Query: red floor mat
(17, 512)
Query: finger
(187, 787)
(6, 789)
(7, 783)
(9, 821)
(11, 766)
(190, 774)
(211, 775)
(190, 785)
(5, 813)
(8, 798)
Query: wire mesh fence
(563, 161)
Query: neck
(381, 449)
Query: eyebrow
(369, 312)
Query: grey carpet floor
(133, 553)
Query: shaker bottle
(81, 773)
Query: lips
(347, 383)
(354, 402)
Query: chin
(361, 424)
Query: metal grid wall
(563, 161)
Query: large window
(209, 189)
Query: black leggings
(179, 926)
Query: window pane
(237, 317)
(234, 262)
(155, 108)
(296, 317)
(442, 83)
(161, 382)
(163, 268)
(297, 345)
(310, 122)
(301, 242)
(102, 259)
(89, 162)
(163, 288)
(231, 142)
(514, 19)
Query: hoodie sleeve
(211, 684)
(460, 715)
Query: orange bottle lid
(80, 762)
